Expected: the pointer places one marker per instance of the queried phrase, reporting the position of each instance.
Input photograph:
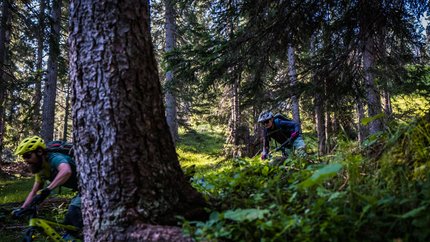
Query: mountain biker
(281, 129)
(59, 169)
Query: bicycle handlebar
(30, 211)
(287, 142)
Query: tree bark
(129, 171)
(5, 29)
(234, 137)
(328, 131)
(235, 111)
(66, 112)
(387, 101)
(50, 92)
(320, 121)
(171, 106)
(362, 133)
(39, 68)
(319, 90)
(232, 142)
(370, 25)
(372, 93)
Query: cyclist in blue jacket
(281, 129)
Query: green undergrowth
(376, 191)
(200, 149)
(14, 189)
(379, 191)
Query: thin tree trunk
(5, 29)
(372, 93)
(319, 106)
(66, 112)
(50, 92)
(387, 101)
(320, 122)
(328, 131)
(369, 37)
(39, 68)
(235, 110)
(232, 141)
(360, 116)
(234, 122)
(292, 73)
(171, 104)
(129, 171)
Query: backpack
(60, 146)
(281, 117)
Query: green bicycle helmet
(30, 144)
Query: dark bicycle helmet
(265, 115)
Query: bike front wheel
(29, 235)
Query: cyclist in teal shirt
(57, 168)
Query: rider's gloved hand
(16, 213)
(294, 135)
(41, 196)
(264, 155)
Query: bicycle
(284, 150)
(43, 226)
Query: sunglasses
(27, 155)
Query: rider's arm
(36, 187)
(64, 173)
(265, 142)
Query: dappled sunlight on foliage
(200, 149)
(407, 106)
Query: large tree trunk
(50, 93)
(129, 171)
(5, 29)
(292, 73)
(39, 68)
(171, 106)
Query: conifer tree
(50, 91)
(129, 172)
(171, 103)
(5, 29)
